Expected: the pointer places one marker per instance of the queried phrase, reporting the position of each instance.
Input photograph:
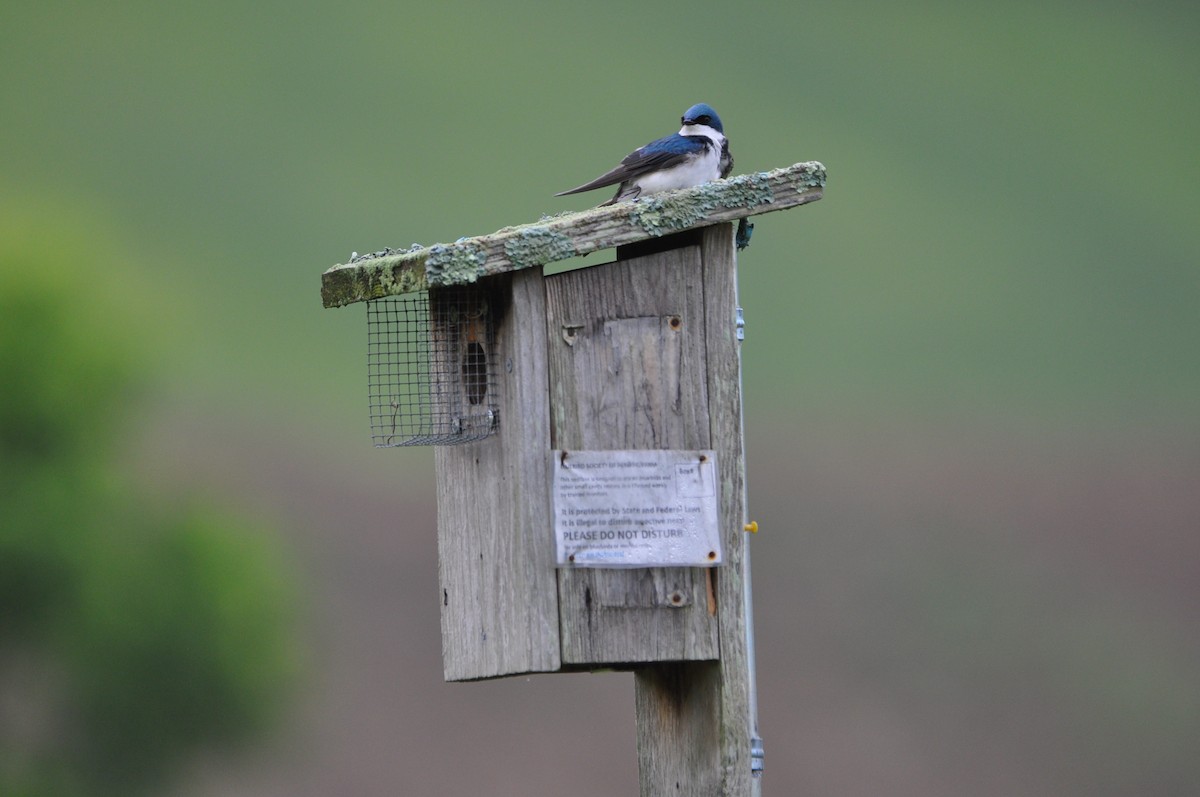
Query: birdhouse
(587, 425)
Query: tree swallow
(699, 152)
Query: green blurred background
(971, 383)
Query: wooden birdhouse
(589, 464)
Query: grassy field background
(971, 370)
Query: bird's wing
(657, 155)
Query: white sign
(636, 508)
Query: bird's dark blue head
(701, 114)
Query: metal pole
(756, 742)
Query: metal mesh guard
(431, 368)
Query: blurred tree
(132, 632)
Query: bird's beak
(687, 121)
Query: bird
(699, 152)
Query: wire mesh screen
(431, 368)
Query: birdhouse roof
(566, 235)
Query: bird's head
(702, 114)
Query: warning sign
(636, 508)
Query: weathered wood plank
(676, 703)
(678, 708)
(627, 370)
(560, 237)
(725, 395)
(495, 541)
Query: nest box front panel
(628, 370)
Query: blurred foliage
(133, 630)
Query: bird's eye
(705, 119)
